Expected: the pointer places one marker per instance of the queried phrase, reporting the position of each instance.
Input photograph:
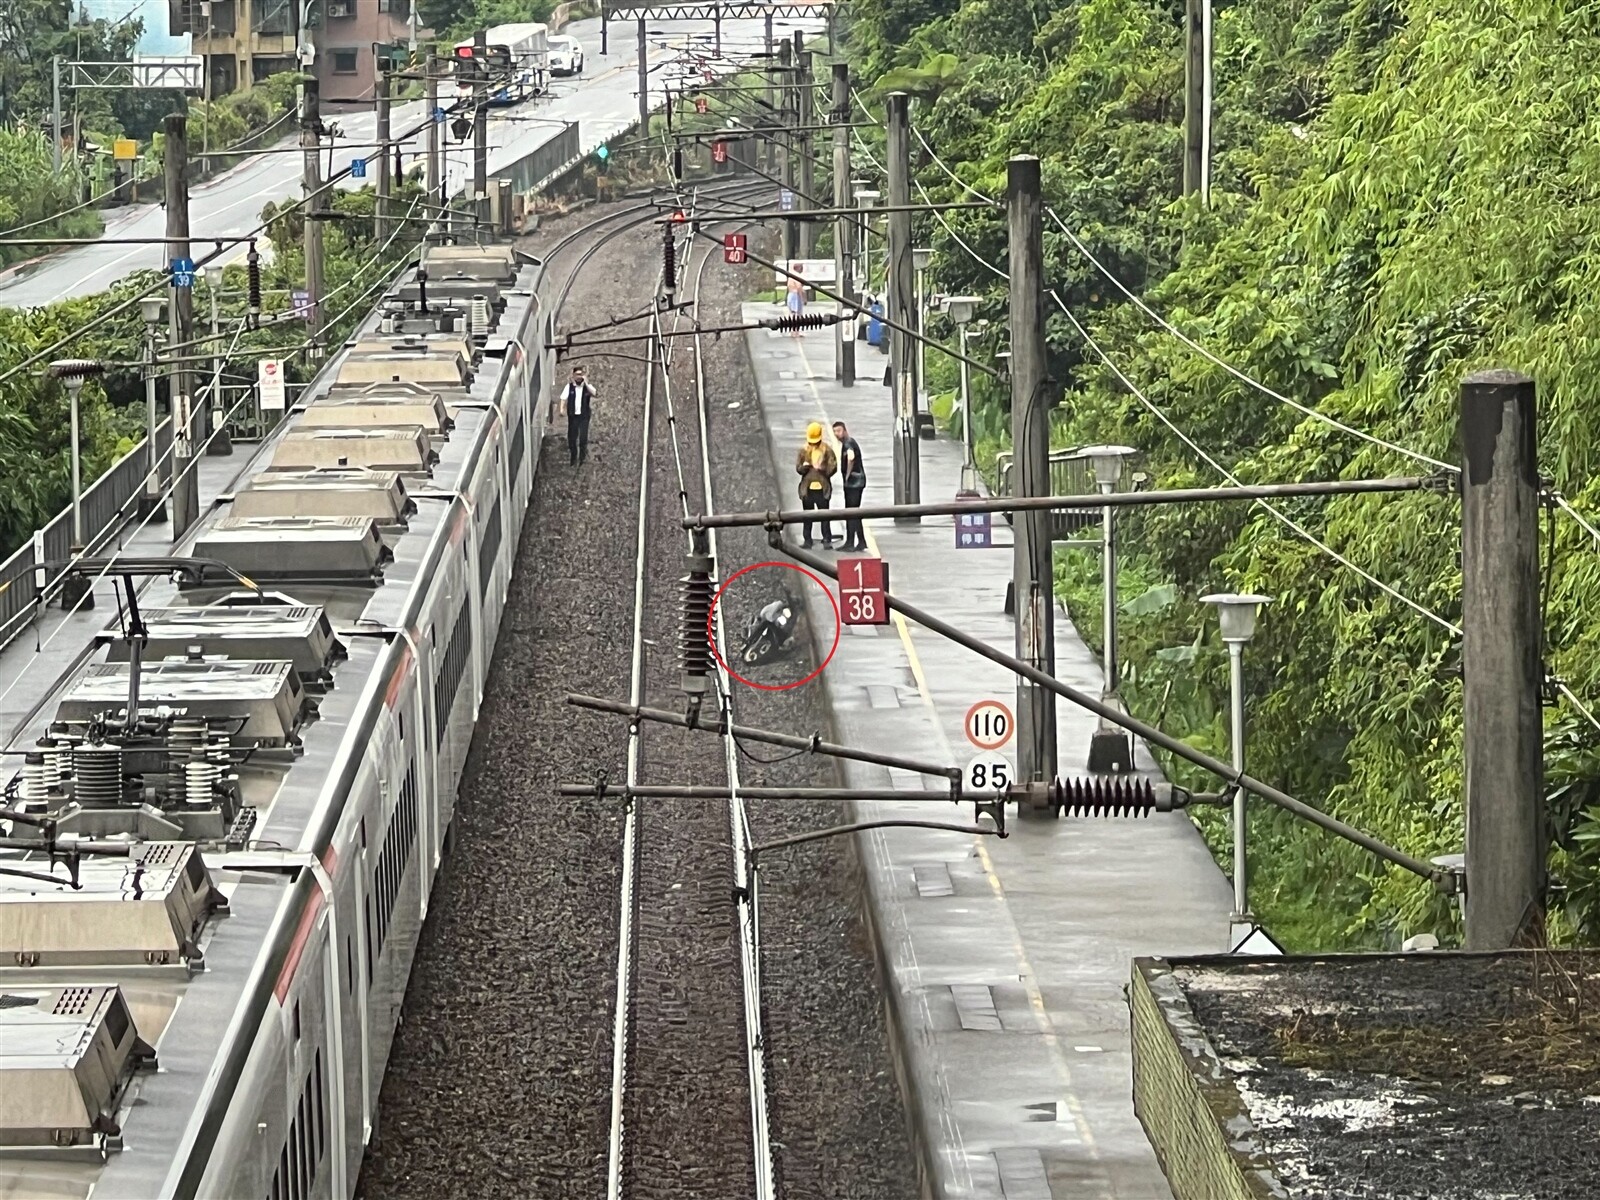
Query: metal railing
(107, 507)
(1069, 476)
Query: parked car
(566, 56)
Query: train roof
(255, 698)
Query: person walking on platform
(577, 403)
(796, 301)
(816, 465)
(853, 474)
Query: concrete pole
(151, 505)
(180, 312)
(1194, 29)
(772, 96)
(1241, 878)
(432, 175)
(55, 111)
(380, 224)
(218, 442)
(644, 82)
(1507, 835)
(902, 307)
(311, 185)
(791, 229)
(480, 136)
(804, 117)
(1030, 433)
(844, 226)
(1205, 103)
(1108, 599)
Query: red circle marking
(1010, 725)
(772, 687)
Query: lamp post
(153, 310)
(1110, 748)
(961, 310)
(920, 261)
(217, 434)
(73, 372)
(1236, 614)
(867, 197)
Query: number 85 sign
(986, 774)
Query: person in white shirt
(577, 402)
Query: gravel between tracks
(499, 1080)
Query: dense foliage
(454, 20)
(1404, 190)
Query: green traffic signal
(603, 153)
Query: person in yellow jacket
(816, 464)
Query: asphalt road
(604, 101)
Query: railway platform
(1006, 961)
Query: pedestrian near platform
(853, 474)
(577, 403)
(816, 464)
(796, 301)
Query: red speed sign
(734, 248)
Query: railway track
(689, 1103)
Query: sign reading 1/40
(989, 724)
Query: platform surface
(1010, 958)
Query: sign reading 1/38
(864, 591)
(989, 724)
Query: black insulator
(252, 268)
(804, 321)
(669, 262)
(677, 164)
(1103, 796)
(699, 591)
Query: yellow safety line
(1030, 983)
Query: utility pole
(844, 226)
(311, 184)
(381, 212)
(480, 134)
(804, 119)
(55, 111)
(644, 82)
(1196, 25)
(1507, 835)
(772, 96)
(180, 314)
(1030, 436)
(902, 306)
(431, 172)
(791, 228)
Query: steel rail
(745, 876)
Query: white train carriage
(210, 1014)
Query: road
(604, 101)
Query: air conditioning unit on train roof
(146, 907)
(298, 633)
(406, 449)
(70, 1053)
(327, 492)
(311, 550)
(260, 703)
(337, 412)
(496, 263)
(444, 371)
(454, 290)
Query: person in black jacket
(853, 473)
(577, 402)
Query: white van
(566, 56)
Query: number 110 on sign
(864, 591)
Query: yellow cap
(814, 431)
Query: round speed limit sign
(986, 774)
(989, 725)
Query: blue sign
(182, 272)
(438, 116)
(973, 531)
(358, 168)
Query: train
(249, 771)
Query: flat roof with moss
(1441, 1075)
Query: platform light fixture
(1110, 748)
(1236, 615)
